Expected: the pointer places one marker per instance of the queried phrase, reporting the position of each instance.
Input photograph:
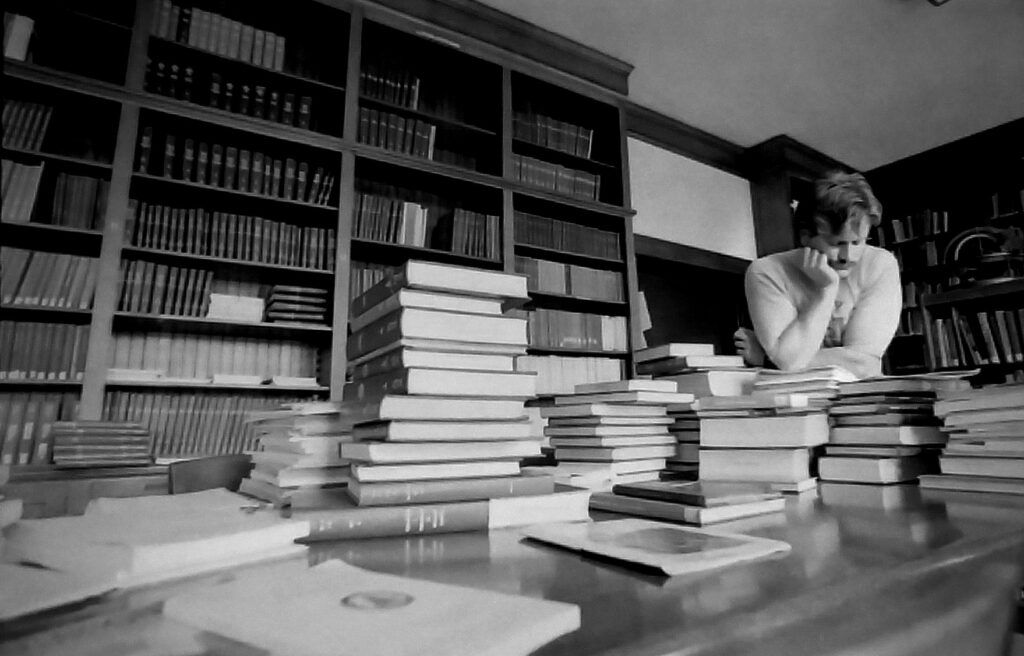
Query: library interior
(512, 327)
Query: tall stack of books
(691, 502)
(695, 369)
(303, 305)
(884, 431)
(761, 439)
(985, 452)
(615, 431)
(299, 462)
(438, 410)
(100, 444)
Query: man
(836, 301)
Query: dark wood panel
(685, 140)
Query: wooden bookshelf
(165, 237)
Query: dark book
(259, 101)
(300, 181)
(215, 90)
(305, 112)
(145, 147)
(244, 99)
(230, 167)
(707, 494)
(228, 97)
(274, 107)
(187, 83)
(288, 186)
(243, 170)
(216, 162)
(169, 156)
(188, 159)
(288, 109)
(256, 177)
(202, 163)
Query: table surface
(872, 570)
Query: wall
(683, 201)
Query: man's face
(844, 248)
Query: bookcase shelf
(978, 292)
(167, 240)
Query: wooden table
(931, 573)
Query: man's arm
(791, 335)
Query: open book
(335, 608)
(671, 549)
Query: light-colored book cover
(340, 607)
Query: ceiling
(867, 82)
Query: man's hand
(748, 347)
(815, 267)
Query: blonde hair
(840, 197)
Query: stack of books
(985, 452)
(299, 462)
(696, 369)
(303, 305)
(438, 414)
(761, 438)
(884, 431)
(691, 502)
(100, 444)
(619, 429)
(820, 383)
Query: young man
(836, 301)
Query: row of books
(560, 375)
(571, 279)
(298, 305)
(198, 231)
(79, 201)
(552, 133)
(395, 132)
(363, 275)
(150, 288)
(20, 186)
(554, 177)
(83, 443)
(1007, 202)
(26, 422)
(546, 232)
(236, 169)
(989, 337)
(563, 329)
(25, 124)
(38, 278)
(187, 357)
(413, 86)
(913, 290)
(390, 83)
(33, 350)
(190, 423)
(219, 34)
(925, 223)
(917, 255)
(911, 322)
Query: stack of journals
(884, 431)
(691, 502)
(299, 462)
(100, 444)
(303, 305)
(985, 452)
(816, 382)
(438, 411)
(620, 428)
(760, 438)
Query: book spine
(387, 521)
(411, 492)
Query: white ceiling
(864, 81)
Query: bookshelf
(953, 218)
(185, 159)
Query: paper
(337, 609)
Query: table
(872, 571)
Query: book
(417, 274)
(670, 549)
(443, 382)
(983, 466)
(753, 432)
(674, 511)
(886, 435)
(756, 465)
(612, 440)
(636, 384)
(617, 430)
(433, 324)
(608, 421)
(345, 605)
(29, 590)
(435, 408)
(298, 476)
(707, 494)
(603, 410)
(972, 483)
(606, 454)
(715, 382)
(442, 431)
(870, 470)
(428, 300)
(439, 491)
(637, 397)
(434, 470)
(418, 452)
(394, 357)
(673, 350)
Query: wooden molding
(666, 250)
(796, 158)
(682, 139)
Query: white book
(418, 452)
(853, 469)
(607, 454)
(434, 470)
(886, 435)
(680, 512)
(636, 397)
(579, 431)
(723, 382)
(674, 350)
(269, 460)
(755, 465)
(397, 357)
(754, 432)
(603, 410)
(636, 384)
(443, 382)
(336, 604)
(612, 440)
(442, 431)
(448, 302)
(610, 421)
(440, 408)
(300, 476)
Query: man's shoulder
(878, 259)
(775, 262)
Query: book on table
(639, 397)
(711, 382)
(680, 512)
(613, 440)
(418, 452)
(603, 420)
(396, 356)
(599, 430)
(418, 323)
(983, 466)
(673, 350)
(366, 473)
(338, 604)
(453, 489)
(615, 453)
(443, 382)
(708, 494)
(415, 298)
(631, 385)
(909, 435)
(972, 483)
(409, 430)
(671, 549)
(588, 410)
(810, 429)
(871, 469)
(435, 408)
(756, 465)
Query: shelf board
(159, 384)
(571, 201)
(378, 154)
(224, 118)
(204, 324)
(60, 239)
(159, 179)
(48, 313)
(469, 127)
(569, 158)
(543, 252)
(407, 252)
(1015, 286)
(571, 302)
(53, 157)
(224, 261)
(554, 350)
(238, 62)
(64, 81)
(32, 382)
